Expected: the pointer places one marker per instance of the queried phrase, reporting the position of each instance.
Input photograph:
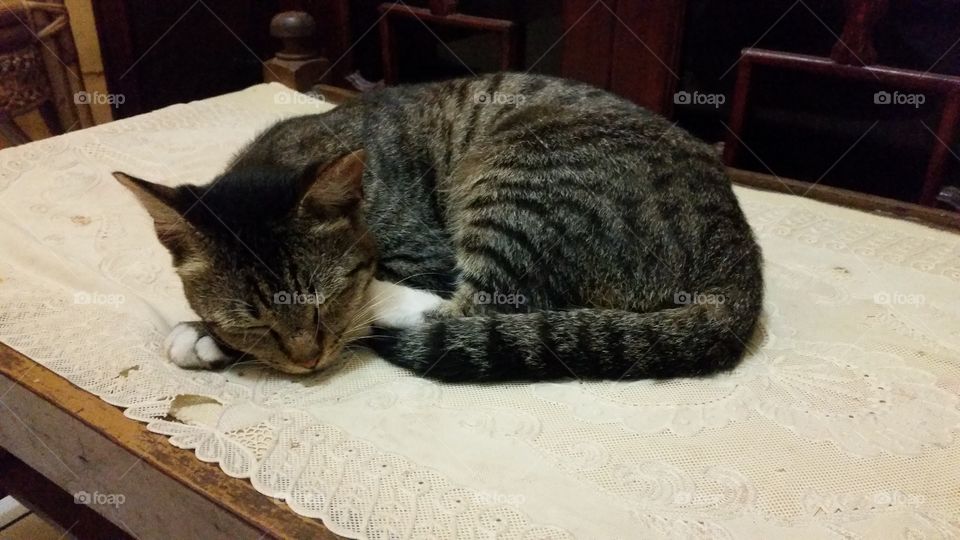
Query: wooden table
(60, 440)
(76, 442)
(57, 440)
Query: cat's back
(541, 116)
(536, 123)
(543, 159)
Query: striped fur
(608, 242)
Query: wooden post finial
(295, 29)
(297, 65)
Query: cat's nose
(304, 349)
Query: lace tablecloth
(843, 423)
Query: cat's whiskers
(371, 304)
(381, 296)
(365, 312)
(369, 315)
(359, 326)
(354, 325)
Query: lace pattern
(842, 421)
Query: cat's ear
(173, 230)
(335, 187)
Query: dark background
(799, 126)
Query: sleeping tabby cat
(504, 227)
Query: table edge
(235, 495)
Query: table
(844, 417)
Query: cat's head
(275, 261)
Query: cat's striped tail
(688, 340)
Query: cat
(496, 228)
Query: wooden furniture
(930, 83)
(77, 441)
(82, 444)
(882, 206)
(57, 439)
(833, 195)
(444, 13)
(297, 65)
(851, 59)
(52, 504)
(630, 48)
(39, 70)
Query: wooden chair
(39, 69)
(444, 13)
(852, 58)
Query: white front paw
(396, 306)
(189, 346)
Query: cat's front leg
(190, 346)
(396, 306)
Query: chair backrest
(443, 7)
(23, 79)
(39, 68)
